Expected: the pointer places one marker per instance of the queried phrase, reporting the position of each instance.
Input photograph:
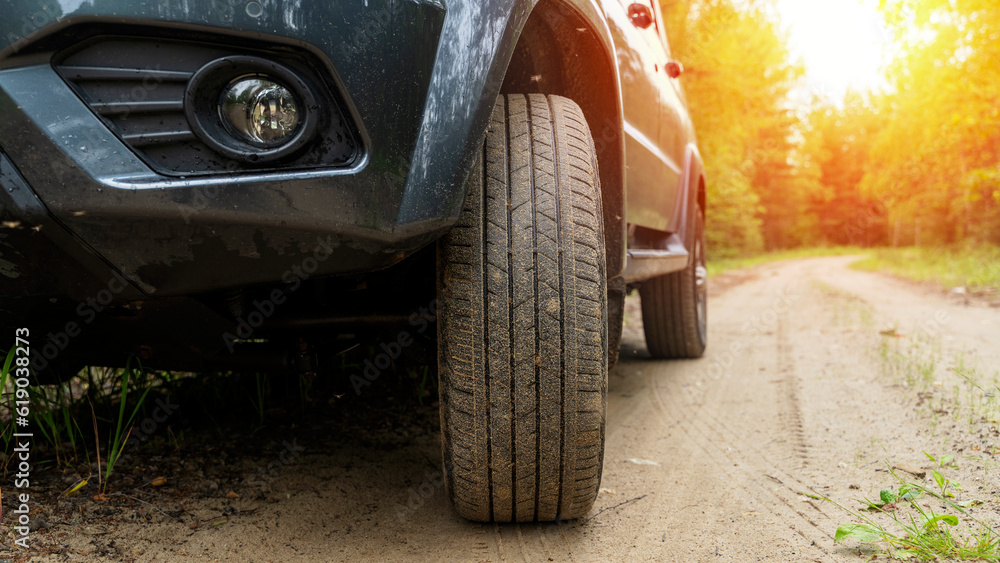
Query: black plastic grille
(136, 86)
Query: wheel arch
(565, 48)
(694, 193)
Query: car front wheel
(523, 330)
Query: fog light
(259, 111)
(252, 110)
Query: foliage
(837, 143)
(947, 460)
(7, 400)
(919, 532)
(737, 79)
(916, 164)
(920, 162)
(119, 433)
(935, 162)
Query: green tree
(935, 163)
(838, 144)
(737, 79)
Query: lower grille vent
(137, 85)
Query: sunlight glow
(841, 42)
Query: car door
(651, 155)
(676, 129)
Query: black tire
(675, 306)
(523, 343)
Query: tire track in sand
(770, 473)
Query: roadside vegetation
(97, 428)
(914, 165)
(926, 514)
(719, 265)
(909, 172)
(86, 422)
(948, 384)
(912, 521)
(964, 268)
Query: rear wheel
(675, 306)
(523, 343)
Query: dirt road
(705, 459)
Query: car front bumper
(418, 78)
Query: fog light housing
(251, 109)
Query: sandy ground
(706, 460)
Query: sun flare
(841, 42)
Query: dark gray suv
(234, 185)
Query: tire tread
(524, 377)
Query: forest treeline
(917, 163)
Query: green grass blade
(6, 367)
(865, 533)
(117, 445)
(932, 524)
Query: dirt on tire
(523, 325)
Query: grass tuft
(123, 429)
(904, 530)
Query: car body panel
(655, 114)
(158, 231)
(419, 78)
